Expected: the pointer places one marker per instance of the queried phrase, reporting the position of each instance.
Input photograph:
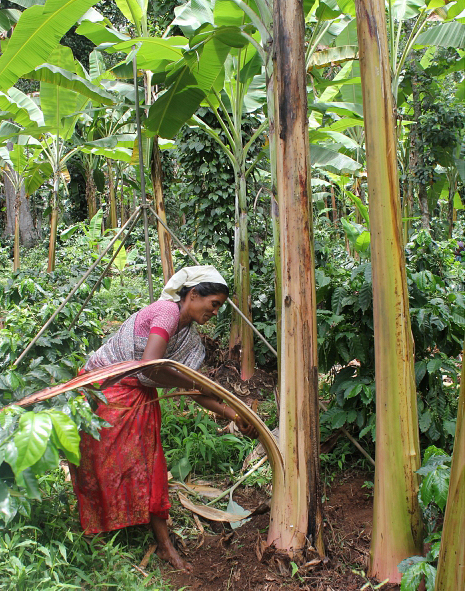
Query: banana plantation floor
(237, 560)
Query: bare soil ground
(237, 560)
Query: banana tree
(17, 106)
(198, 66)
(105, 135)
(451, 564)
(240, 91)
(26, 173)
(99, 30)
(396, 519)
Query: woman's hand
(225, 412)
(245, 428)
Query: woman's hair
(205, 289)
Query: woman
(122, 479)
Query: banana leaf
(114, 373)
(36, 35)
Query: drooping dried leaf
(197, 489)
(209, 512)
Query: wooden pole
(144, 204)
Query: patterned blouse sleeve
(165, 320)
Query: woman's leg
(166, 550)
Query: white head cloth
(189, 277)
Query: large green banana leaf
(332, 161)
(191, 83)
(37, 174)
(18, 106)
(444, 35)
(15, 158)
(333, 56)
(404, 9)
(8, 18)
(345, 123)
(351, 93)
(116, 147)
(59, 105)
(133, 10)
(65, 79)
(154, 53)
(323, 134)
(29, 3)
(100, 32)
(342, 109)
(190, 17)
(36, 35)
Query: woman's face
(202, 308)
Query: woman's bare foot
(166, 550)
(169, 554)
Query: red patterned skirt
(123, 477)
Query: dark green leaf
(339, 419)
(67, 434)
(181, 469)
(424, 421)
(8, 504)
(49, 461)
(435, 487)
(31, 439)
(30, 483)
(420, 371)
(365, 296)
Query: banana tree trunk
(91, 190)
(16, 263)
(396, 518)
(451, 565)
(111, 187)
(333, 204)
(270, 99)
(123, 208)
(163, 236)
(241, 338)
(452, 177)
(422, 190)
(53, 228)
(296, 516)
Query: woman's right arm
(163, 377)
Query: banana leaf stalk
(451, 565)
(113, 222)
(119, 371)
(53, 227)
(397, 530)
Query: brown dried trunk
(296, 517)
